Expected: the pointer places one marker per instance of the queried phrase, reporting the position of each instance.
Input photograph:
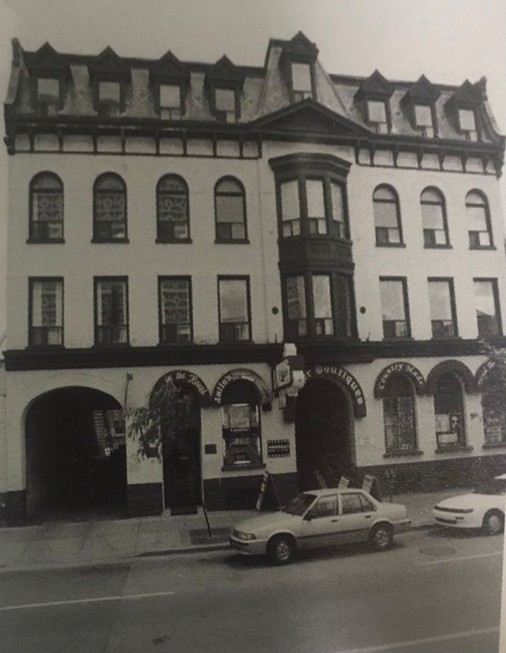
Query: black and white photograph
(252, 326)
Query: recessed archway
(324, 434)
(75, 455)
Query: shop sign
(282, 375)
(245, 375)
(278, 448)
(347, 379)
(399, 368)
(183, 376)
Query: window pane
(290, 209)
(337, 202)
(229, 208)
(440, 300)
(377, 111)
(432, 216)
(224, 99)
(170, 96)
(295, 297)
(111, 305)
(385, 214)
(109, 92)
(172, 208)
(175, 299)
(47, 303)
(423, 116)
(315, 201)
(321, 296)
(233, 300)
(484, 297)
(48, 88)
(392, 300)
(47, 207)
(477, 218)
(301, 77)
(343, 307)
(466, 119)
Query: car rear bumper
(402, 526)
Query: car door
(319, 525)
(356, 513)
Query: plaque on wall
(278, 448)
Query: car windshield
(495, 486)
(300, 504)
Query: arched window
(478, 220)
(387, 216)
(172, 211)
(109, 209)
(230, 210)
(493, 403)
(435, 228)
(399, 415)
(241, 424)
(46, 208)
(449, 413)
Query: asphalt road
(432, 593)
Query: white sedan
(484, 508)
(316, 518)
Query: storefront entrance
(75, 455)
(181, 454)
(323, 430)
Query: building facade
(230, 227)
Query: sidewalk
(65, 543)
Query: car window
(326, 506)
(367, 505)
(351, 503)
(300, 504)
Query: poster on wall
(442, 423)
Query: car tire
(493, 522)
(280, 549)
(381, 536)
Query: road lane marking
(473, 557)
(423, 640)
(48, 604)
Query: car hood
(471, 500)
(264, 522)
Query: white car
(316, 518)
(484, 508)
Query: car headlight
(243, 536)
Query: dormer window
(301, 81)
(48, 95)
(170, 102)
(377, 115)
(224, 100)
(109, 98)
(423, 120)
(467, 124)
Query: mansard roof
(264, 93)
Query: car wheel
(381, 536)
(493, 522)
(281, 549)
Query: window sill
(238, 468)
(486, 247)
(399, 339)
(460, 449)
(239, 241)
(51, 241)
(113, 241)
(44, 347)
(446, 338)
(402, 453)
(494, 445)
(235, 342)
(438, 246)
(173, 241)
(390, 245)
(113, 345)
(164, 343)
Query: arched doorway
(323, 431)
(75, 454)
(181, 452)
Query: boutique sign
(406, 369)
(343, 378)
